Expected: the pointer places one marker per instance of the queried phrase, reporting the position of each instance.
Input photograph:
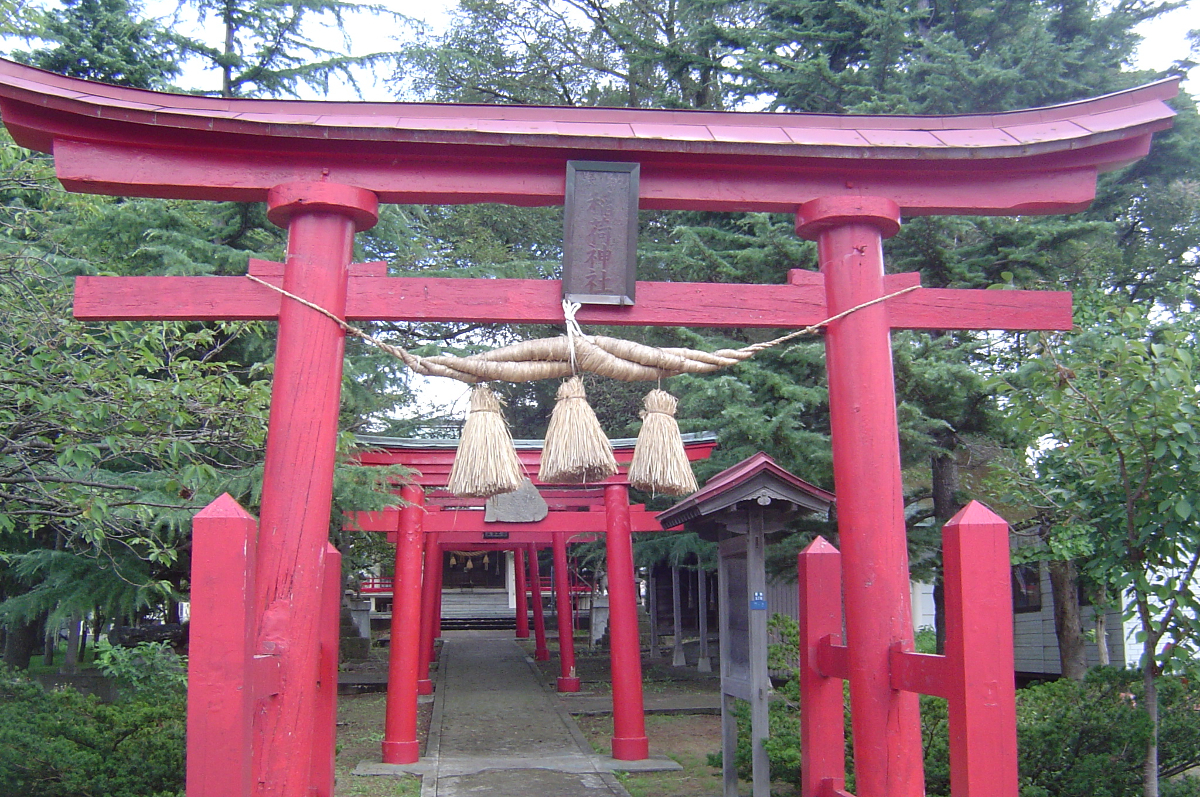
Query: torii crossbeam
(322, 168)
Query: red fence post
(540, 651)
(325, 721)
(979, 652)
(400, 745)
(439, 571)
(221, 695)
(429, 604)
(568, 681)
(522, 594)
(822, 725)
(629, 721)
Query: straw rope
(550, 358)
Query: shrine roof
(1011, 133)
(357, 142)
(754, 477)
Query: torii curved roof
(122, 141)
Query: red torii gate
(440, 521)
(323, 167)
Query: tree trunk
(945, 485)
(20, 643)
(1150, 702)
(49, 643)
(71, 659)
(939, 616)
(83, 638)
(1068, 622)
(1102, 635)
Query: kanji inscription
(600, 232)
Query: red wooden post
(822, 734)
(439, 572)
(629, 722)
(400, 745)
(979, 650)
(429, 584)
(221, 692)
(522, 597)
(568, 681)
(298, 475)
(866, 467)
(325, 720)
(540, 651)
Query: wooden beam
(423, 299)
(471, 522)
(450, 175)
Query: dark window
(1027, 588)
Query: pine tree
(103, 40)
(270, 49)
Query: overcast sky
(1165, 39)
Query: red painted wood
(540, 652)
(979, 650)
(822, 737)
(522, 596)
(629, 741)
(866, 466)
(536, 302)
(833, 659)
(43, 110)
(429, 583)
(568, 680)
(438, 573)
(325, 720)
(220, 694)
(922, 673)
(466, 526)
(400, 745)
(297, 493)
(667, 183)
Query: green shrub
(145, 670)
(64, 744)
(1183, 786)
(1074, 739)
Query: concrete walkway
(499, 731)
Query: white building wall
(1035, 644)
(510, 579)
(923, 612)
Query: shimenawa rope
(548, 358)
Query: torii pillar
(321, 219)
(866, 472)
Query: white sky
(1165, 39)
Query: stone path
(498, 731)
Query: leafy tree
(1113, 412)
(103, 40)
(269, 48)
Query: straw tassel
(486, 463)
(576, 449)
(660, 463)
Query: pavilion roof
(271, 141)
(755, 477)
